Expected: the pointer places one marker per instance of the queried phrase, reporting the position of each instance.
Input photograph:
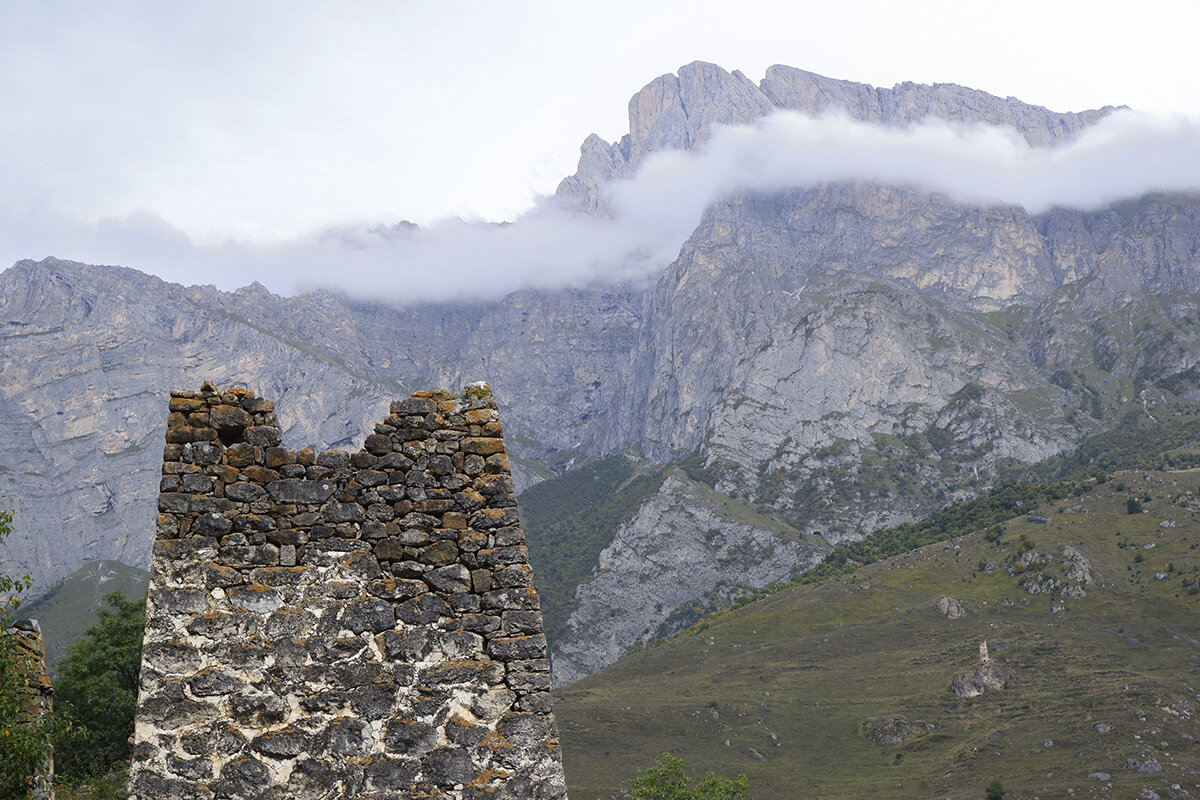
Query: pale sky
(136, 132)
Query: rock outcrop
(986, 674)
(950, 608)
(643, 575)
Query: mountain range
(817, 362)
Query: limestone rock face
(798, 90)
(843, 357)
(643, 576)
(678, 111)
(88, 355)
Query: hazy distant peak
(677, 112)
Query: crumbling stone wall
(336, 625)
(31, 650)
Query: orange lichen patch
(495, 742)
(489, 776)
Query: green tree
(994, 791)
(97, 686)
(667, 780)
(25, 743)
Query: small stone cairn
(342, 625)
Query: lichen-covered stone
(342, 624)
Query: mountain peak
(676, 111)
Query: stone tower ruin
(342, 625)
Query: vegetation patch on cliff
(570, 519)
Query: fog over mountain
(1124, 155)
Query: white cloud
(1125, 155)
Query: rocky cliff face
(838, 357)
(88, 353)
(644, 575)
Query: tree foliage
(97, 686)
(995, 507)
(25, 743)
(667, 780)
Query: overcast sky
(173, 137)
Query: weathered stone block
(342, 512)
(209, 682)
(439, 554)
(518, 598)
(465, 603)
(346, 737)
(228, 418)
(494, 485)
(537, 703)
(373, 702)
(211, 524)
(448, 766)
(258, 711)
(449, 579)
(512, 648)
(253, 522)
(255, 597)
(170, 715)
(462, 671)
(502, 556)
(263, 436)
(482, 446)
(242, 778)
(427, 609)
(245, 492)
(185, 402)
(291, 623)
(218, 738)
(260, 475)
(296, 490)
(281, 743)
(224, 626)
(521, 622)
(372, 616)
(514, 576)
(184, 434)
(396, 589)
(481, 623)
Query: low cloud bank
(1125, 155)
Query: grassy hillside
(568, 520)
(69, 607)
(842, 689)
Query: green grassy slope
(69, 607)
(785, 689)
(569, 519)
